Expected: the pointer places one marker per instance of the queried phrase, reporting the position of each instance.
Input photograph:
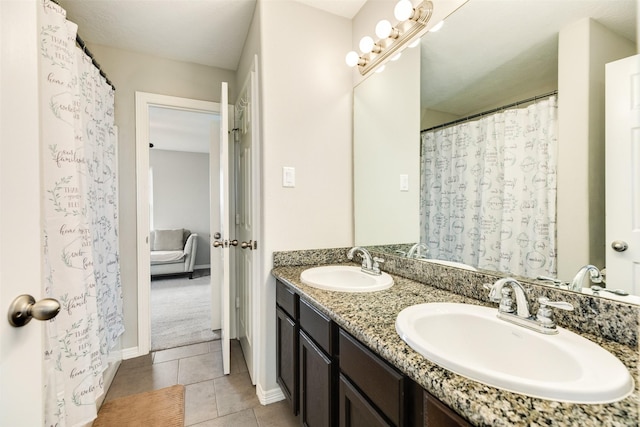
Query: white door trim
(256, 214)
(143, 101)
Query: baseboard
(130, 353)
(269, 396)
(108, 375)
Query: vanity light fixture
(437, 27)
(412, 22)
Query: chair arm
(190, 248)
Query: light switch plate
(288, 177)
(404, 182)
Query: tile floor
(211, 398)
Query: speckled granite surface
(609, 319)
(370, 317)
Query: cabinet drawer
(376, 379)
(287, 300)
(317, 325)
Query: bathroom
(296, 93)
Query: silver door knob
(217, 244)
(248, 245)
(619, 245)
(24, 308)
(234, 242)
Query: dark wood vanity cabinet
(332, 379)
(287, 336)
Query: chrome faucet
(416, 251)
(594, 276)
(541, 322)
(500, 294)
(370, 265)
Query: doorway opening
(179, 206)
(150, 107)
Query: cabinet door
(437, 414)
(287, 357)
(316, 374)
(355, 410)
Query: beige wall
(181, 195)
(584, 48)
(306, 124)
(131, 72)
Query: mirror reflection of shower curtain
(80, 237)
(488, 191)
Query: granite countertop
(370, 317)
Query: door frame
(143, 101)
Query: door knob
(249, 245)
(234, 242)
(25, 307)
(217, 244)
(619, 245)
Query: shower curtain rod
(495, 110)
(87, 52)
(82, 45)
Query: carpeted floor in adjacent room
(181, 311)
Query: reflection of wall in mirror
(385, 147)
(584, 49)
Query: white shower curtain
(488, 191)
(80, 238)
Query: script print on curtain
(80, 252)
(488, 191)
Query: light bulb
(352, 58)
(366, 44)
(437, 27)
(403, 10)
(383, 29)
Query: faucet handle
(376, 264)
(544, 301)
(545, 314)
(506, 303)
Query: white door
(21, 349)
(623, 174)
(245, 120)
(220, 254)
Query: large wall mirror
(489, 54)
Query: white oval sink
(344, 278)
(471, 341)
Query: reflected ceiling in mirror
(493, 52)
